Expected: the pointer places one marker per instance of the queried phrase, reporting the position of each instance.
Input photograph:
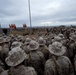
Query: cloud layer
(43, 12)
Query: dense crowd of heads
(51, 54)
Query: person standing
(5, 31)
(36, 58)
(58, 64)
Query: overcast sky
(43, 12)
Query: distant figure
(5, 31)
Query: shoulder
(40, 53)
(4, 72)
(49, 63)
(64, 58)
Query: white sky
(43, 12)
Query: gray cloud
(52, 12)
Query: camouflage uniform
(58, 64)
(43, 48)
(20, 70)
(36, 59)
(45, 51)
(26, 50)
(2, 67)
(62, 66)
